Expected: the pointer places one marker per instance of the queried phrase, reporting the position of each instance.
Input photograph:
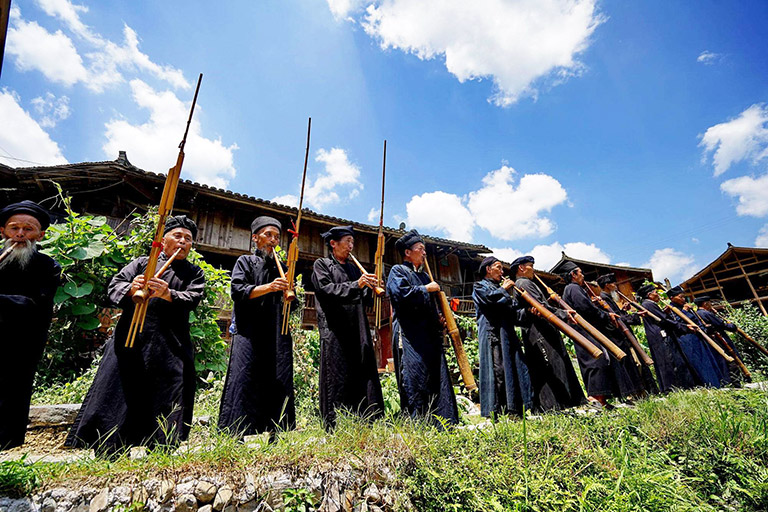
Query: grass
(696, 450)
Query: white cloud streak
(762, 237)
(742, 138)
(440, 211)
(708, 58)
(672, 264)
(153, 144)
(548, 255)
(51, 109)
(343, 9)
(27, 140)
(752, 194)
(520, 45)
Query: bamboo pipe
(7, 251)
(142, 294)
(701, 333)
(639, 307)
(378, 290)
(288, 295)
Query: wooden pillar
(754, 292)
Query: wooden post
(754, 292)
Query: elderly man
(143, 395)
(417, 337)
(258, 392)
(555, 383)
(719, 328)
(603, 377)
(349, 376)
(28, 282)
(505, 384)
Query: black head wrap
(181, 221)
(699, 301)
(566, 269)
(487, 262)
(674, 292)
(26, 207)
(605, 279)
(264, 221)
(519, 261)
(644, 290)
(407, 240)
(337, 233)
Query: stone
(140, 495)
(223, 498)
(49, 505)
(22, 505)
(205, 508)
(372, 494)
(165, 490)
(186, 503)
(100, 502)
(52, 415)
(205, 491)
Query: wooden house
(738, 276)
(117, 188)
(628, 279)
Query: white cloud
(520, 45)
(672, 264)
(707, 57)
(742, 138)
(287, 200)
(506, 209)
(762, 237)
(53, 54)
(153, 144)
(374, 214)
(339, 172)
(27, 140)
(547, 255)
(343, 9)
(752, 194)
(510, 212)
(440, 211)
(57, 57)
(51, 109)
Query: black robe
(349, 375)
(505, 383)
(258, 391)
(417, 345)
(144, 395)
(710, 366)
(602, 377)
(718, 329)
(673, 369)
(632, 319)
(26, 306)
(555, 383)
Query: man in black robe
(258, 391)
(555, 383)
(602, 378)
(673, 369)
(505, 384)
(718, 329)
(28, 282)
(144, 395)
(349, 376)
(417, 337)
(608, 286)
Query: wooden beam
(749, 282)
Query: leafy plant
(298, 500)
(17, 478)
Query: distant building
(738, 276)
(117, 188)
(628, 279)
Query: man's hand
(571, 316)
(368, 280)
(614, 316)
(507, 283)
(642, 313)
(534, 312)
(159, 289)
(136, 285)
(433, 287)
(278, 285)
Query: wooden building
(117, 188)
(738, 276)
(628, 279)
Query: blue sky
(623, 132)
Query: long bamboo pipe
(378, 290)
(639, 307)
(7, 251)
(701, 333)
(288, 295)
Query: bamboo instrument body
(378, 290)
(600, 337)
(624, 329)
(566, 329)
(288, 295)
(752, 341)
(293, 248)
(453, 332)
(164, 209)
(639, 307)
(701, 332)
(380, 243)
(7, 251)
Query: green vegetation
(17, 478)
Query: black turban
(26, 207)
(407, 240)
(605, 279)
(699, 301)
(644, 290)
(264, 221)
(568, 267)
(674, 292)
(487, 262)
(519, 261)
(337, 233)
(181, 221)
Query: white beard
(21, 254)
